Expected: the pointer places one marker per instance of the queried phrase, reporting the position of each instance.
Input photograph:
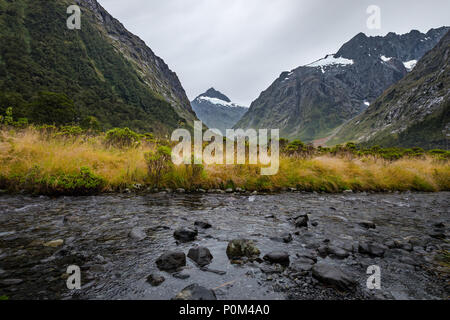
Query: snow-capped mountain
(217, 111)
(312, 101)
(415, 112)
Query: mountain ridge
(313, 100)
(413, 112)
(217, 111)
(101, 70)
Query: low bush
(122, 138)
(158, 163)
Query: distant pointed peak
(213, 93)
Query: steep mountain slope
(217, 111)
(102, 69)
(413, 112)
(310, 102)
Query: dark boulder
(367, 224)
(201, 256)
(333, 276)
(155, 279)
(372, 249)
(203, 224)
(171, 261)
(281, 258)
(301, 221)
(185, 234)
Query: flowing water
(113, 265)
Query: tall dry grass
(26, 151)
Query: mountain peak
(213, 93)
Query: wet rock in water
(240, 248)
(171, 261)
(301, 221)
(371, 249)
(285, 238)
(155, 279)
(439, 225)
(219, 272)
(302, 264)
(337, 252)
(195, 292)
(138, 234)
(181, 275)
(185, 234)
(202, 224)
(11, 282)
(54, 243)
(314, 223)
(367, 224)
(438, 234)
(271, 269)
(334, 276)
(201, 256)
(279, 257)
(229, 190)
(181, 190)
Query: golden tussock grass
(24, 153)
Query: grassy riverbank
(36, 161)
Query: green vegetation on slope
(50, 74)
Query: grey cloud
(241, 46)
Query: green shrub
(158, 163)
(81, 183)
(122, 138)
(68, 132)
(91, 123)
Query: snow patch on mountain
(409, 65)
(330, 60)
(219, 102)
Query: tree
(52, 108)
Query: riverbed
(403, 234)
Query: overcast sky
(241, 46)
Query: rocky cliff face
(312, 101)
(413, 112)
(217, 111)
(101, 70)
(153, 70)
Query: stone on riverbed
(240, 248)
(203, 224)
(201, 256)
(195, 292)
(281, 258)
(286, 238)
(185, 234)
(138, 234)
(367, 224)
(155, 279)
(333, 276)
(301, 221)
(371, 249)
(337, 252)
(54, 243)
(171, 261)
